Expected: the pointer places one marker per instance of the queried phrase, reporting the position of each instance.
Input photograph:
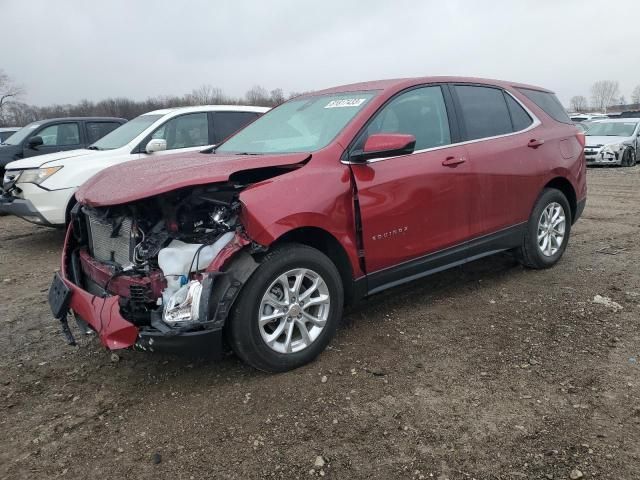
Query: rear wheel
(288, 310)
(547, 231)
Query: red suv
(331, 197)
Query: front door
(55, 138)
(412, 205)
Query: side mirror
(35, 141)
(380, 145)
(156, 145)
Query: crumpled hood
(145, 178)
(40, 160)
(594, 140)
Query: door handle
(453, 161)
(533, 143)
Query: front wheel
(547, 231)
(628, 158)
(288, 310)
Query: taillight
(581, 139)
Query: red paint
(103, 314)
(121, 285)
(381, 142)
(151, 176)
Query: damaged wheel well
(325, 242)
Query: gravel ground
(488, 371)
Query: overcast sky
(63, 51)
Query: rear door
(412, 205)
(56, 137)
(504, 170)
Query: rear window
(226, 124)
(547, 102)
(484, 111)
(97, 130)
(519, 117)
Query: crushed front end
(149, 274)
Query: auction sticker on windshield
(346, 102)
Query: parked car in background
(613, 142)
(588, 117)
(329, 197)
(6, 132)
(55, 135)
(41, 190)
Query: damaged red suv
(332, 196)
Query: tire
(263, 297)
(533, 254)
(628, 159)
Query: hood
(40, 160)
(152, 176)
(593, 140)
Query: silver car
(613, 142)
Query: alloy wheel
(294, 310)
(551, 229)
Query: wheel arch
(565, 186)
(325, 242)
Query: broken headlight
(183, 306)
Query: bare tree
(635, 95)
(277, 97)
(578, 103)
(622, 100)
(258, 96)
(604, 93)
(206, 95)
(9, 91)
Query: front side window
(612, 129)
(304, 124)
(125, 133)
(97, 130)
(191, 130)
(60, 135)
(420, 112)
(484, 111)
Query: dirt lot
(488, 371)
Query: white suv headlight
(36, 175)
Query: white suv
(41, 189)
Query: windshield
(125, 133)
(611, 129)
(20, 135)
(299, 125)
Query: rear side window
(97, 130)
(548, 102)
(226, 124)
(484, 111)
(519, 117)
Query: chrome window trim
(534, 124)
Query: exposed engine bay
(154, 253)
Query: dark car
(6, 132)
(331, 196)
(55, 135)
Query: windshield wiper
(93, 147)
